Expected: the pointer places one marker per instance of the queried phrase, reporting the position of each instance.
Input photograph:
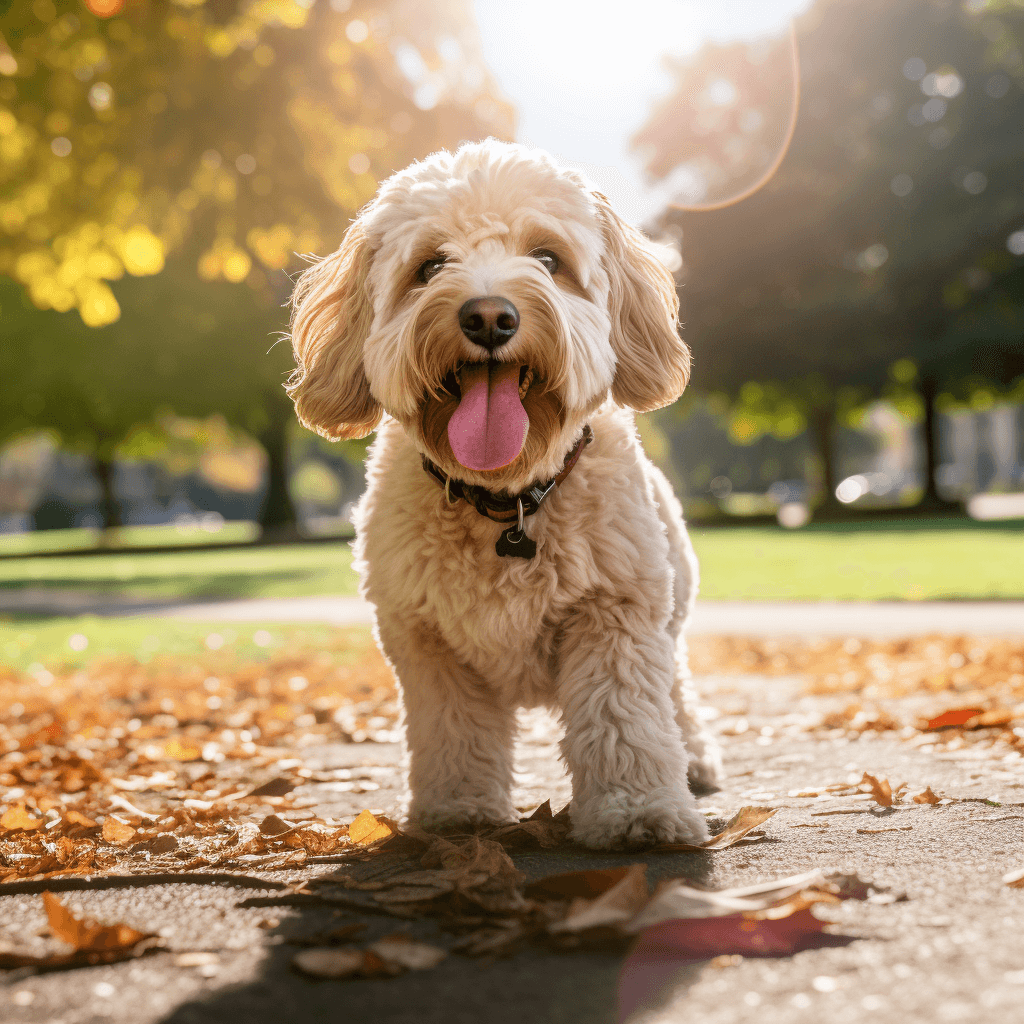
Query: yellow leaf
(117, 831)
(18, 817)
(367, 829)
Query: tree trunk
(108, 502)
(824, 434)
(932, 500)
(277, 516)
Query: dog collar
(508, 508)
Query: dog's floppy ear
(331, 318)
(652, 361)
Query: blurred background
(836, 186)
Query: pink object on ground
(488, 429)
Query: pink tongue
(488, 429)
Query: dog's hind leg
(458, 739)
(705, 768)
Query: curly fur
(592, 625)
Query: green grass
(876, 560)
(862, 562)
(58, 643)
(287, 571)
(46, 542)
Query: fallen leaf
(84, 934)
(387, 957)
(990, 719)
(926, 797)
(614, 907)
(953, 717)
(75, 818)
(1014, 879)
(19, 818)
(743, 822)
(675, 898)
(272, 825)
(576, 884)
(117, 831)
(367, 829)
(400, 950)
(91, 943)
(882, 792)
(182, 750)
(275, 787)
(330, 963)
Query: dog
(498, 325)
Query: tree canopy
(164, 166)
(893, 209)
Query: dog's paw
(704, 772)
(620, 818)
(459, 812)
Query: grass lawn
(73, 642)
(886, 560)
(881, 560)
(288, 571)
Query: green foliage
(886, 232)
(241, 131)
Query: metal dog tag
(513, 543)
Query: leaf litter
(122, 772)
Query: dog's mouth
(488, 428)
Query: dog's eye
(430, 268)
(547, 258)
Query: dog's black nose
(489, 321)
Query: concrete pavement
(881, 619)
(950, 952)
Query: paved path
(744, 618)
(747, 618)
(950, 953)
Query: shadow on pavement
(535, 986)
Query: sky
(584, 73)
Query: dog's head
(489, 301)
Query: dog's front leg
(458, 737)
(622, 744)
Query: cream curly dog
(488, 314)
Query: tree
(900, 185)
(161, 167)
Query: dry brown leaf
(882, 792)
(280, 786)
(387, 957)
(330, 962)
(272, 825)
(76, 818)
(576, 884)
(613, 908)
(401, 951)
(926, 797)
(85, 935)
(117, 831)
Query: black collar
(503, 507)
